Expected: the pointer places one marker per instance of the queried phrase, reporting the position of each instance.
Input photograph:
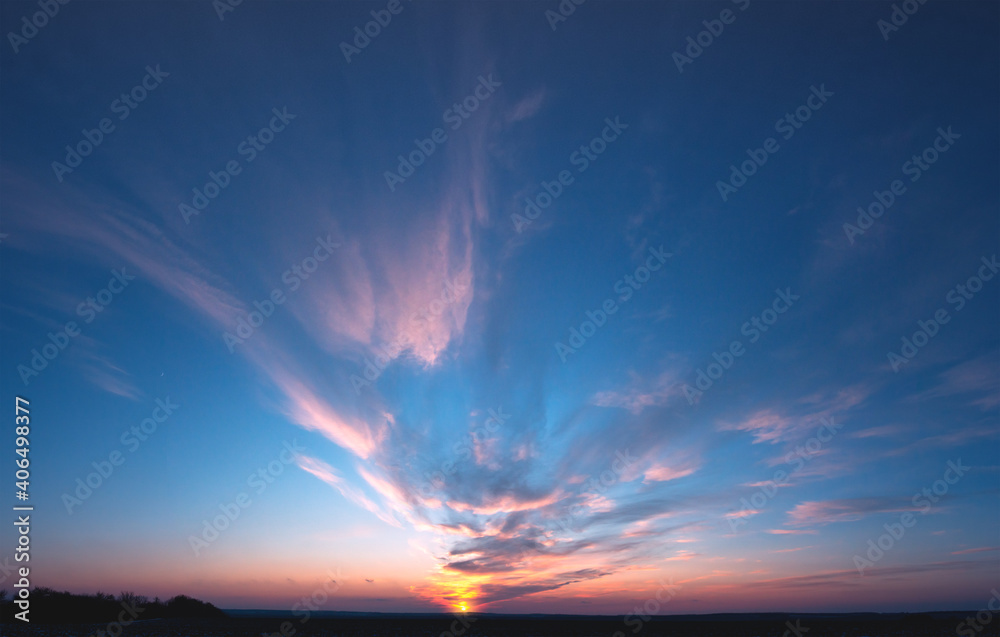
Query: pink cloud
(506, 504)
(766, 426)
(642, 394)
(329, 475)
(792, 531)
(340, 310)
(663, 473)
(527, 107)
(980, 376)
(829, 511)
(880, 431)
(109, 377)
(311, 412)
(983, 549)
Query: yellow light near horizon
(457, 592)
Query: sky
(506, 306)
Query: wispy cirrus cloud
(979, 379)
(766, 426)
(849, 578)
(642, 394)
(881, 431)
(663, 473)
(527, 107)
(110, 378)
(819, 513)
(306, 408)
(982, 549)
(792, 531)
(330, 476)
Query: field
(761, 625)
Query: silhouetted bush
(51, 607)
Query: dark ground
(769, 625)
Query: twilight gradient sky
(523, 523)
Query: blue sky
(404, 412)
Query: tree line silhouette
(49, 606)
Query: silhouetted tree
(130, 598)
(48, 606)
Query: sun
(464, 606)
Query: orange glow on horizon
(456, 592)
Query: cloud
(949, 439)
(115, 235)
(506, 504)
(663, 473)
(766, 426)
(792, 531)
(642, 394)
(108, 377)
(984, 549)
(882, 431)
(980, 376)
(850, 510)
(307, 409)
(765, 483)
(811, 413)
(329, 475)
(527, 107)
(850, 579)
(424, 308)
(341, 311)
(683, 556)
